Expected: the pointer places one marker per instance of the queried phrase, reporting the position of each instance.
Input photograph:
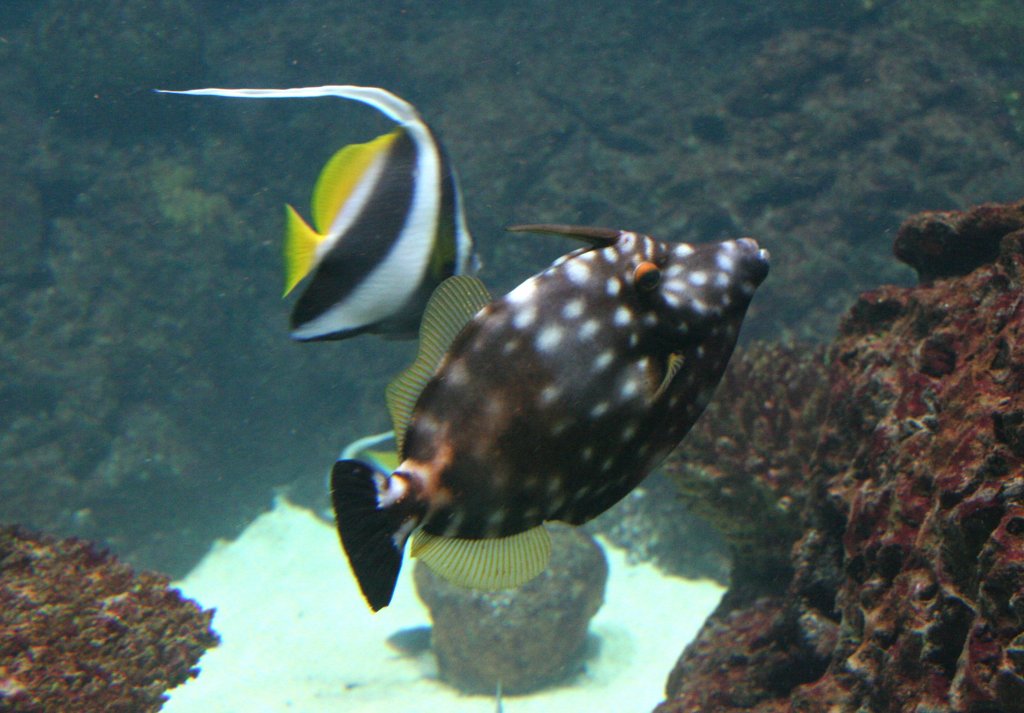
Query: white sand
(298, 637)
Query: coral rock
(524, 638)
(907, 586)
(80, 631)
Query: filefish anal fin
(486, 564)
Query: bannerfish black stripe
(367, 243)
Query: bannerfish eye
(646, 276)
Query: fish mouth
(757, 262)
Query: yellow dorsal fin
(300, 243)
(675, 363)
(340, 176)
(488, 564)
(452, 305)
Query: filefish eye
(646, 276)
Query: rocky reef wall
(904, 590)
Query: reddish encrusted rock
(953, 243)
(81, 631)
(907, 587)
(750, 451)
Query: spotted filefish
(388, 225)
(552, 403)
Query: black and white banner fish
(388, 225)
(551, 403)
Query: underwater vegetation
(81, 631)
(906, 590)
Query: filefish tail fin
(300, 244)
(372, 535)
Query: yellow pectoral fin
(487, 564)
(300, 243)
(341, 174)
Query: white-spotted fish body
(556, 400)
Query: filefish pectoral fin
(487, 564)
(300, 244)
(451, 306)
(373, 537)
(672, 366)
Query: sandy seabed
(298, 637)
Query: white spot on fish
(721, 279)
(623, 316)
(697, 278)
(599, 410)
(604, 359)
(699, 306)
(589, 329)
(613, 286)
(554, 485)
(522, 294)
(510, 346)
(607, 464)
(587, 453)
(495, 521)
(650, 319)
(629, 389)
(610, 255)
(549, 338)
(682, 250)
(674, 271)
(456, 373)
(549, 393)
(452, 529)
(577, 272)
(671, 300)
(725, 262)
(573, 309)
(628, 432)
(560, 427)
(524, 317)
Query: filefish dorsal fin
(452, 305)
(675, 363)
(487, 564)
(597, 237)
(342, 174)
